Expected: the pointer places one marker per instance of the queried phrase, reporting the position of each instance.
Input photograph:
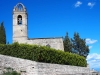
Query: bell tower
(20, 23)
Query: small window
(48, 45)
(19, 20)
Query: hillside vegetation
(42, 54)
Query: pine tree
(67, 44)
(79, 45)
(2, 34)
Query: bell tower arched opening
(19, 20)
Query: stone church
(20, 27)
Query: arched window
(48, 45)
(19, 20)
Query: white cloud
(90, 41)
(78, 3)
(90, 47)
(93, 56)
(90, 4)
(94, 60)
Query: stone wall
(56, 43)
(28, 67)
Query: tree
(2, 34)
(67, 44)
(79, 45)
(7, 42)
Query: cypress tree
(2, 34)
(67, 44)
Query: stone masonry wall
(56, 43)
(28, 67)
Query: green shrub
(42, 54)
(10, 71)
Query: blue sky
(53, 18)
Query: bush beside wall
(42, 54)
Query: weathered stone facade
(20, 28)
(28, 67)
